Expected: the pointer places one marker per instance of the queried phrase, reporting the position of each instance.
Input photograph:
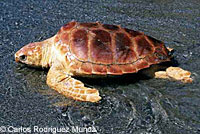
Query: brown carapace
(109, 49)
(91, 49)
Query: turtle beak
(16, 57)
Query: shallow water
(138, 106)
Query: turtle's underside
(91, 48)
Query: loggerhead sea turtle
(93, 49)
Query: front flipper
(58, 79)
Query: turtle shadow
(113, 80)
(103, 81)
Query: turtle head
(30, 54)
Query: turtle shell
(110, 49)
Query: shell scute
(99, 69)
(69, 26)
(114, 69)
(89, 25)
(74, 66)
(140, 64)
(124, 49)
(144, 48)
(152, 59)
(161, 53)
(154, 41)
(129, 68)
(79, 45)
(110, 27)
(86, 68)
(101, 51)
(132, 33)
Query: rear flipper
(59, 80)
(175, 73)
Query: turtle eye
(22, 57)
